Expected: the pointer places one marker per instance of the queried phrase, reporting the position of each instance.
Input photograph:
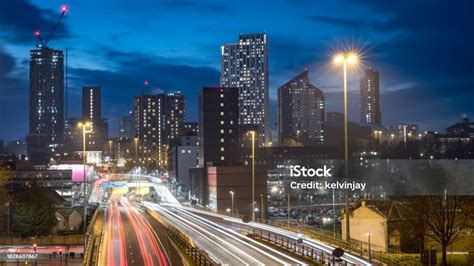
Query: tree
(34, 213)
(4, 197)
(445, 218)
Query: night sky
(422, 49)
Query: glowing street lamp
(345, 59)
(86, 128)
(136, 150)
(252, 133)
(232, 201)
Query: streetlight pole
(8, 221)
(345, 59)
(136, 150)
(334, 211)
(84, 127)
(253, 174)
(110, 149)
(261, 198)
(289, 209)
(232, 202)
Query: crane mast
(43, 44)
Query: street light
(252, 133)
(86, 128)
(289, 208)
(110, 149)
(347, 58)
(136, 150)
(7, 205)
(232, 201)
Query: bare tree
(445, 218)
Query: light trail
(292, 235)
(205, 233)
(116, 245)
(147, 238)
(239, 244)
(239, 238)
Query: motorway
(224, 246)
(132, 237)
(238, 224)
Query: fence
(94, 233)
(354, 246)
(45, 241)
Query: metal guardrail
(92, 250)
(356, 247)
(198, 256)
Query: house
(69, 219)
(382, 220)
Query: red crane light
(146, 83)
(64, 9)
(37, 33)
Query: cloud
(431, 108)
(340, 22)
(196, 5)
(7, 63)
(20, 18)
(13, 99)
(124, 81)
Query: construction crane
(43, 44)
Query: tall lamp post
(110, 149)
(345, 59)
(232, 202)
(7, 205)
(86, 128)
(252, 133)
(136, 150)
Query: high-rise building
(181, 158)
(46, 102)
(174, 117)
(191, 129)
(149, 129)
(73, 134)
(403, 132)
(218, 126)
(245, 66)
(92, 112)
(125, 126)
(335, 117)
(300, 111)
(370, 98)
(91, 103)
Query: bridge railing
(198, 256)
(334, 239)
(94, 233)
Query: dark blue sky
(423, 50)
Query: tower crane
(43, 44)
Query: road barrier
(198, 256)
(94, 232)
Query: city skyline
(288, 54)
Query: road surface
(132, 237)
(223, 245)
